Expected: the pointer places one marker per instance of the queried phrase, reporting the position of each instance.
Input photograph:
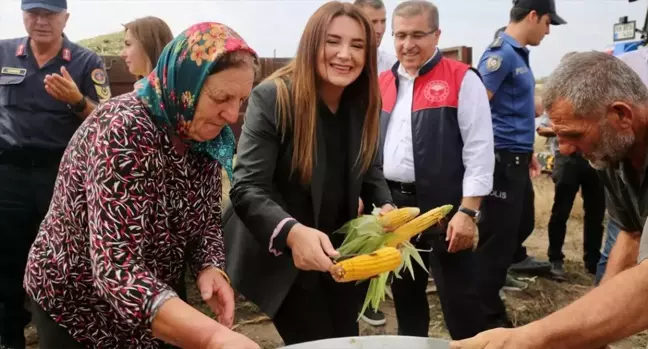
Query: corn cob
(367, 265)
(395, 218)
(417, 225)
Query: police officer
(48, 85)
(508, 212)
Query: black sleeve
(257, 154)
(374, 187)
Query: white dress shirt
(475, 125)
(385, 61)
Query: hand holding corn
(311, 249)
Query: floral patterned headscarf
(171, 91)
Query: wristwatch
(475, 215)
(78, 107)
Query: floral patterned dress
(128, 202)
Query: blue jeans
(611, 236)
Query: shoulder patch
(493, 63)
(497, 43)
(98, 76)
(103, 92)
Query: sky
(273, 27)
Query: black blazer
(263, 194)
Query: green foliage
(108, 44)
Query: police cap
(50, 5)
(542, 7)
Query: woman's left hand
(218, 294)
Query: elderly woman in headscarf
(139, 183)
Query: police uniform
(34, 131)
(508, 212)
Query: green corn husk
(365, 235)
(409, 252)
(375, 293)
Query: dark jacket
(264, 194)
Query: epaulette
(497, 43)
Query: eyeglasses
(416, 35)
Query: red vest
(437, 88)
(437, 142)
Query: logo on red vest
(436, 91)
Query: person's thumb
(327, 246)
(206, 289)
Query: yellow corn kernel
(395, 218)
(417, 225)
(367, 265)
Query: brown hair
(297, 109)
(153, 34)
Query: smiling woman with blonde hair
(307, 151)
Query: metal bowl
(374, 342)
